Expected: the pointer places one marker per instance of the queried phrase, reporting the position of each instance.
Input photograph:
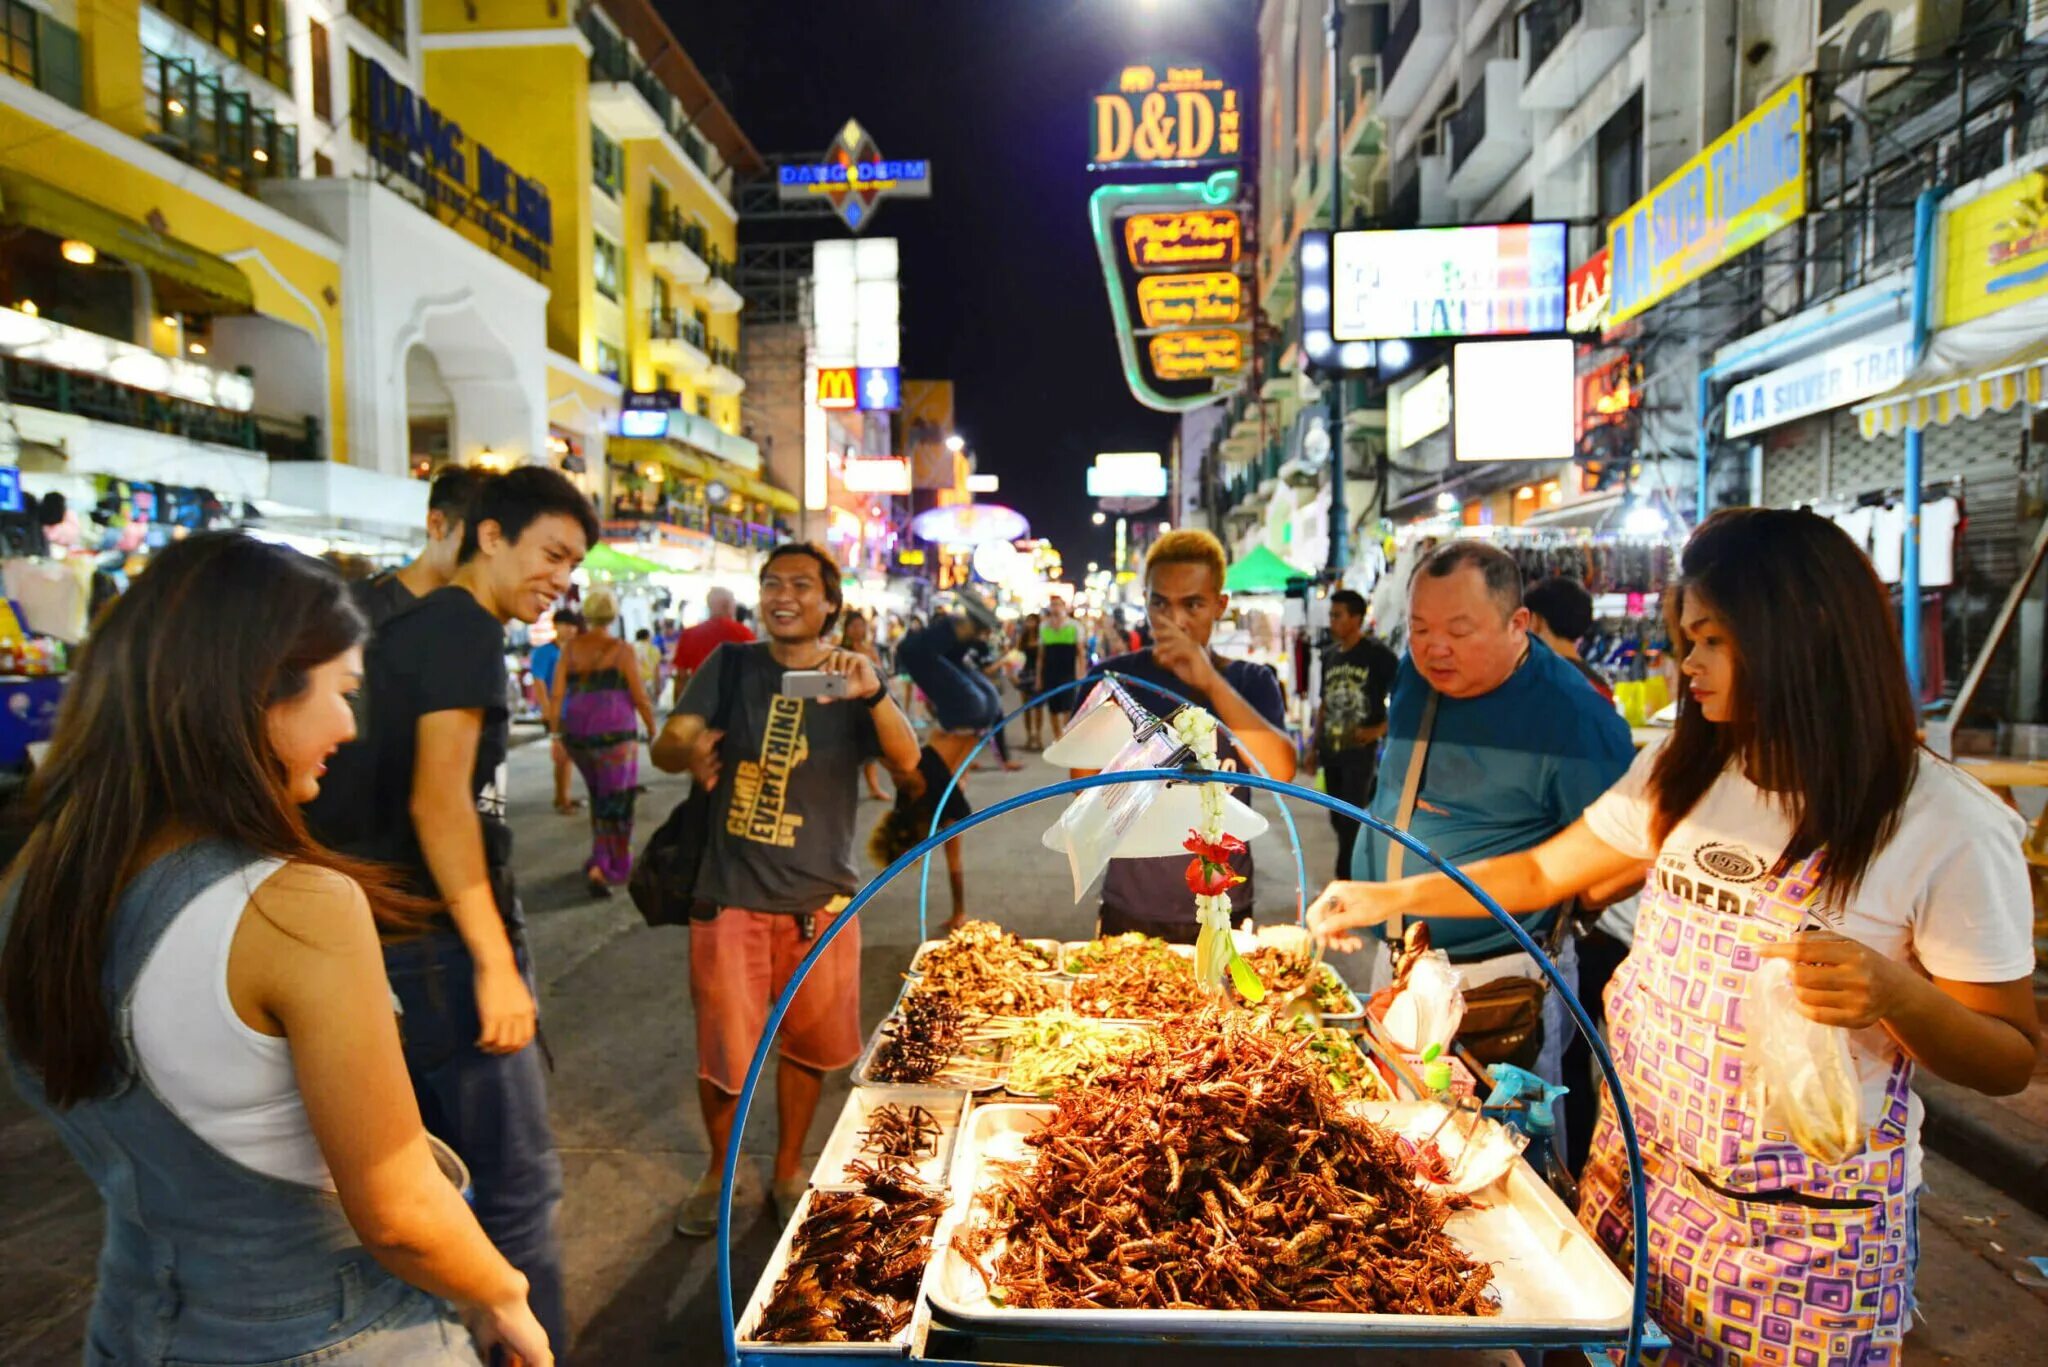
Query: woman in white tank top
(195, 995)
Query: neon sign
(1184, 117)
(1587, 291)
(1198, 237)
(837, 388)
(1181, 300)
(1196, 355)
(854, 177)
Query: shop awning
(1939, 399)
(761, 491)
(659, 451)
(189, 280)
(1262, 572)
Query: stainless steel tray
(895, 1347)
(1069, 947)
(843, 1147)
(1554, 1282)
(983, 1072)
(1050, 948)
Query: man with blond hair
(1184, 601)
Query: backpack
(663, 884)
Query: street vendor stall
(1101, 1142)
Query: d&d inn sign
(1185, 118)
(426, 147)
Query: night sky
(1001, 290)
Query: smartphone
(813, 683)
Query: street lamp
(956, 443)
(1100, 518)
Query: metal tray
(1067, 952)
(843, 1146)
(1554, 1282)
(983, 1073)
(894, 1347)
(1049, 947)
(1133, 1029)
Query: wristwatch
(876, 698)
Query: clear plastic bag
(1797, 1073)
(1428, 1006)
(1098, 819)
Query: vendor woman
(1790, 815)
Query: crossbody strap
(1411, 786)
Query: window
(661, 297)
(251, 32)
(323, 71)
(703, 405)
(19, 53)
(385, 18)
(323, 166)
(609, 361)
(1619, 160)
(607, 164)
(608, 266)
(359, 97)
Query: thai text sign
(1183, 300)
(1196, 355)
(1995, 250)
(1183, 116)
(1746, 184)
(1198, 237)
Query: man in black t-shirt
(1351, 719)
(421, 790)
(385, 596)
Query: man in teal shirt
(1519, 748)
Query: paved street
(615, 1011)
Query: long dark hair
(164, 726)
(1821, 716)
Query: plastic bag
(1097, 820)
(1797, 1073)
(1428, 1006)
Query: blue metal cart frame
(1639, 1330)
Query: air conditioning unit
(1885, 30)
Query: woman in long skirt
(597, 693)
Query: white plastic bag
(1797, 1073)
(1428, 1006)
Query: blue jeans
(491, 1108)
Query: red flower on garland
(1217, 851)
(1207, 879)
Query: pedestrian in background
(1351, 718)
(1059, 661)
(1185, 600)
(858, 636)
(542, 664)
(601, 706)
(783, 772)
(721, 626)
(195, 997)
(1027, 681)
(1561, 615)
(653, 673)
(1508, 747)
(449, 499)
(428, 774)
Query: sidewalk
(2003, 1140)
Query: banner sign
(854, 177)
(1587, 292)
(1485, 280)
(1185, 116)
(1995, 251)
(428, 150)
(1745, 185)
(1840, 375)
(1196, 355)
(876, 475)
(1180, 300)
(1199, 237)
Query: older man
(1507, 746)
(721, 626)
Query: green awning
(604, 562)
(189, 280)
(1262, 572)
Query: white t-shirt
(1888, 543)
(1949, 891)
(1938, 523)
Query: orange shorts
(739, 963)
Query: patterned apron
(1818, 1272)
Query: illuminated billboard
(1184, 300)
(1196, 355)
(1198, 237)
(1483, 280)
(1127, 474)
(1514, 400)
(1177, 114)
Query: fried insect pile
(1141, 980)
(987, 970)
(1217, 1170)
(856, 1261)
(895, 1131)
(1090, 955)
(924, 1041)
(1285, 972)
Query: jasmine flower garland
(1209, 875)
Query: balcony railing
(1544, 26)
(289, 438)
(1401, 34)
(218, 129)
(385, 18)
(249, 32)
(612, 59)
(1468, 124)
(674, 325)
(691, 514)
(90, 396)
(720, 354)
(721, 268)
(673, 226)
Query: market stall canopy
(1262, 572)
(1985, 365)
(188, 280)
(659, 451)
(609, 563)
(761, 491)
(969, 524)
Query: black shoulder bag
(664, 881)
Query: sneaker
(698, 1217)
(788, 1195)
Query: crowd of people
(274, 808)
